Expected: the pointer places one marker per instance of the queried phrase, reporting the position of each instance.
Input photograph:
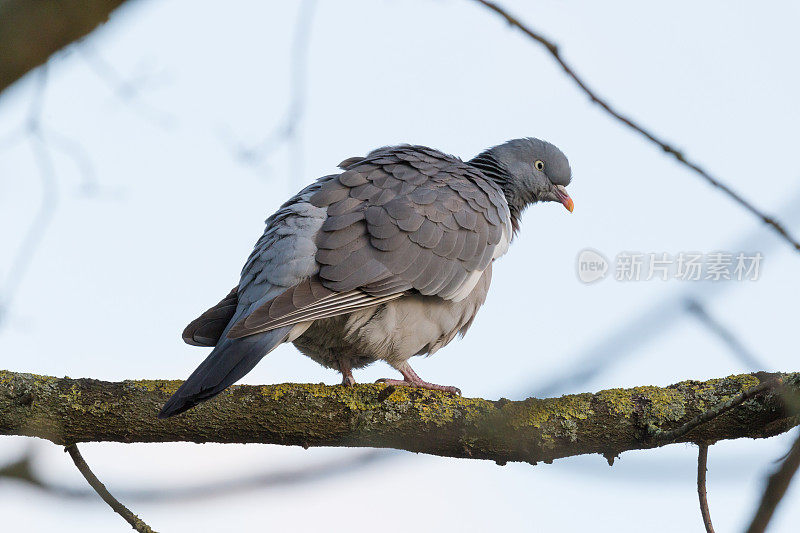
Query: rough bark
(66, 411)
(33, 30)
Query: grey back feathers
(401, 219)
(400, 232)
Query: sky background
(155, 209)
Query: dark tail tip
(226, 364)
(178, 404)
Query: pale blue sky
(120, 273)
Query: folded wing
(401, 219)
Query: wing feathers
(206, 329)
(401, 218)
(296, 305)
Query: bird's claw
(420, 385)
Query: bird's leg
(347, 372)
(413, 380)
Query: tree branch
(702, 492)
(136, 523)
(776, 488)
(30, 32)
(725, 334)
(66, 411)
(641, 130)
(713, 412)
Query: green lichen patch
(535, 413)
(650, 401)
(434, 407)
(152, 385)
(440, 408)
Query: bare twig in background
(745, 356)
(126, 88)
(288, 130)
(49, 200)
(776, 489)
(702, 493)
(89, 185)
(710, 414)
(629, 122)
(22, 470)
(647, 324)
(43, 141)
(137, 523)
(65, 410)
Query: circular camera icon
(592, 266)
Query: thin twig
(652, 137)
(127, 89)
(135, 522)
(23, 470)
(712, 413)
(44, 142)
(736, 346)
(288, 130)
(90, 185)
(37, 229)
(776, 489)
(702, 467)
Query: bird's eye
(539, 164)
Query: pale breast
(394, 331)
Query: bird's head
(527, 170)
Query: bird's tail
(228, 362)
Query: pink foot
(413, 380)
(347, 374)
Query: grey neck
(517, 198)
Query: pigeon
(388, 259)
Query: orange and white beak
(563, 197)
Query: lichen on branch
(608, 422)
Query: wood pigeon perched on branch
(388, 259)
